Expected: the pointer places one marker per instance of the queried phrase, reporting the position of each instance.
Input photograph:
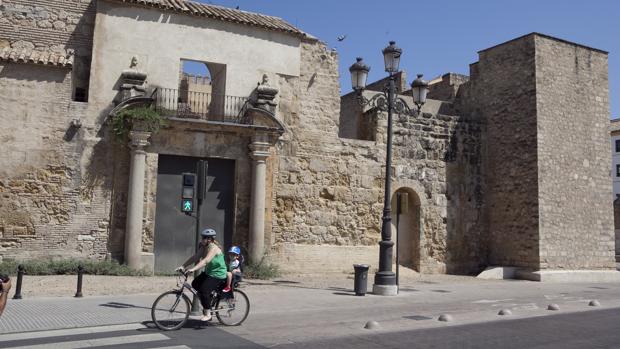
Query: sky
(441, 36)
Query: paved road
(591, 329)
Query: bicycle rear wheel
(234, 310)
(170, 310)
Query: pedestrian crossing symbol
(187, 205)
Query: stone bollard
(18, 286)
(78, 293)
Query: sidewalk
(297, 306)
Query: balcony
(199, 105)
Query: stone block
(498, 273)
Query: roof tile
(15, 55)
(220, 13)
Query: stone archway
(409, 227)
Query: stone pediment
(262, 118)
(131, 102)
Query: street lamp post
(387, 100)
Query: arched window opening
(201, 92)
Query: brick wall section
(502, 91)
(576, 216)
(54, 25)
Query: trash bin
(361, 278)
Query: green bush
(69, 266)
(148, 118)
(262, 270)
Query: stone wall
(55, 179)
(502, 91)
(55, 200)
(575, 209)
(545, 104)
(329, 192)
(54, 26)
(447, 88)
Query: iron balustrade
(200, 105)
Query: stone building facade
(295, 172)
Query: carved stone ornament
(265, 94)
(138, 139)
(133, 81)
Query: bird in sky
(341, 37)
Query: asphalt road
(590, 329)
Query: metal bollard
(79, 281)
(18, 286)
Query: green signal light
(187, 205)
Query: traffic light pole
(201, 173)
(195, 300)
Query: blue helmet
(235, 250)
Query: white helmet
(208, 233)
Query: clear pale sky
(443, 36)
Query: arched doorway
(409, 226)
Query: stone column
(135, 199)
(259, 153)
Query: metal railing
(199, 105)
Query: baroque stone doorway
(409, 227)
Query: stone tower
(545, 102)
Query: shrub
(262, 270)
(147, 118)
(69, 266)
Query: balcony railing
(200, 105)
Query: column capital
(139, 139)
(259, 151)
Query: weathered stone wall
(447, 88)
(55, 198)
(329, 193)
(502, 91)
(54, 26)
(55, 178)
(439, 156)
(576, 217)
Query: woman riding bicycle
(209, 255)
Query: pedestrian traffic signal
(187, 195)
(187, 205)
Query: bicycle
(171, 309)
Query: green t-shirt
(217, 267)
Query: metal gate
(175, 232)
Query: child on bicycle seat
(234, 266)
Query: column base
(147, 262)
(384, 290)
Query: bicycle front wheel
(232, 311)
(170, 310)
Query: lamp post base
(384, 290)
